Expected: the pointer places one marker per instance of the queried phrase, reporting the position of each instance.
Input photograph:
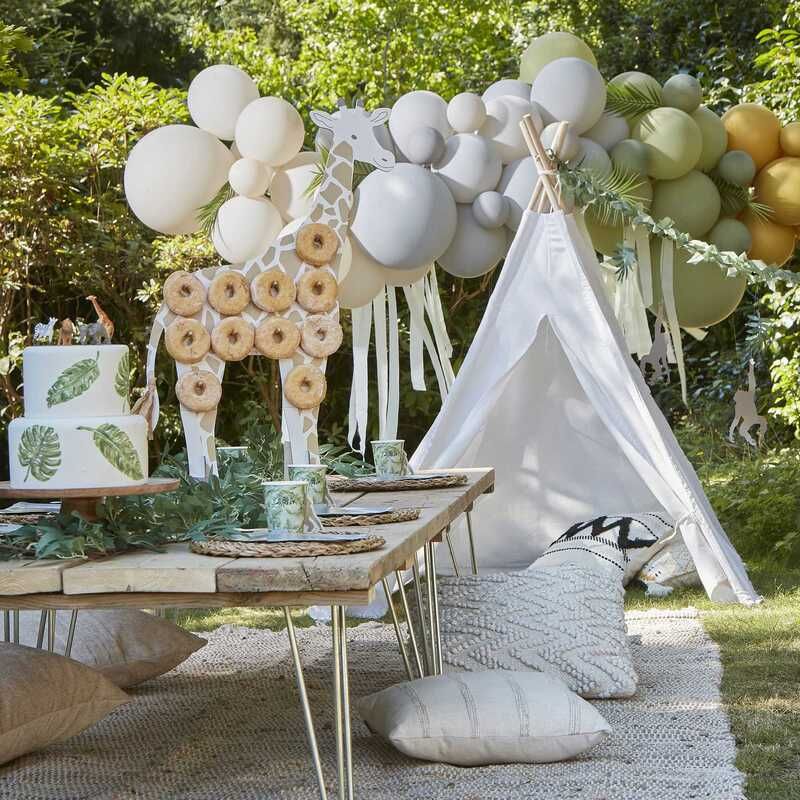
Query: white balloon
(414, 111)
(217, 96)
(474, 249)
(396, 277)
(289, 187)
(516, 184)
(609, 130)
(466, 112)
(245, 227)
(425, 145)
(569, 146)
(363, 281)
(570, 90)
(249, 177)
(171, 173)
(508, 86)
(491, 209)
(271, 130)
(592, 158)
(403, 218)
(470, 165)
(503, 115)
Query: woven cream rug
(226, 725)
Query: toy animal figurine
(145, 406)
(93, 333)
(745, 414)
(43, 331)
(66, 333)
(287, 293)
(102, 317)
(657, 359)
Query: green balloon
(704, 294)
(715, 138)
(683, 92)
(607, 238)
(737, 167)
(639, 80)
(631, 156)
(731, 235)
(674, 139)
(692, 202)
(544, 49)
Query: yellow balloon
(754, 129)
(772, 243)
(778, 185)
(544, 49)
(790, 139)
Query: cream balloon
(570, 90)
(516, 185)
(271, 130)
(245, 227)
(249, 177)
(475, 249)
(466, 112)
(396, 277)
(501, 127)
(414, 111)
(217, 96)
(289, 187)
(470, 165)
(609, 130)
(506, 87)
(363, 281)
(171, 173)
(570, 146)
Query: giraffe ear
(322, 119)
(379, 116)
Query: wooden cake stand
(84, 500)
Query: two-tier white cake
(77, 431)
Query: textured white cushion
(566, 620)
(485, 718)
(125, 645)
(620, 543)
(672, 566)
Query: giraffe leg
(744, 432)
(732, 429)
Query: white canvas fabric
(549, 396)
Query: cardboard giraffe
(745, 414)
(658, 357)
(353, 138)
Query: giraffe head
(357, 127)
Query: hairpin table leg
(400, 642)
(452, 551)
(426, 649)
(472, 558)
(73, 621)
(409, 623)
(6, 626)
(344, 756)
(430, 575)
(51, 630)
(40, 635)
(15, 625)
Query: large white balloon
(503, 115)
(171, 173)
(507, 86)
(516, 185)
(570, 90)
(245, 227)
(249, 177)
(403, 218)
(416, 110)
(364, 279)
(466, 112)
(609, 130)
(569, 146)
(217, 96)
(474, 249)
(289, 187)
(470, 165)
(271, 130)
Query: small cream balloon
(466, 112)
(289, 187)
(245, 227)
(217, 96)
(491, 209)
(395, 277)
(270, 130)
(249, 178)
(570, 145)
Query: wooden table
(179, 578)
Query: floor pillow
(623, 544)
(565, 620)
(485, 718)
(45, 698)
(672, 567)
(127, 646)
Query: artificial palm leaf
(360, 171)
(207, 214)
(735, 199)
(607, 192)
(629, 101)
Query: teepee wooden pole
(539, 198)
(543, 163)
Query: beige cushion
(45, 698)
(125, 645)
(485, 718)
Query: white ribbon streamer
(433, 307)
(668, 290)
(416, 306)
(416, 352)
(381, 358)
(393, 399)
(359, 390)
(641, 239)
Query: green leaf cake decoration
(74, 381)
(122, 379)
(40, 451)
(117, 448)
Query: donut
(184, 294)
(321, 336)
(277, 337)
(232, 339)
(305, 387)
(273, 290)
(187, 340)
(199, 390)
(316, 244)
(229, 292)
(317, 291)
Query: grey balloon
(506, 86)
(491, 209)
(404, 218)
(470, 165)
(425, 146)
(516, 184)
(474, 249)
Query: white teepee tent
(549, 396)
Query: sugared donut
(184, 294)
(187, 340)
(229, 292)
(277, 337)
(316, 244)
(199, 390)
(317, 291)
(305, 387)
(321, 336)
(273, 290)
(232, 339)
